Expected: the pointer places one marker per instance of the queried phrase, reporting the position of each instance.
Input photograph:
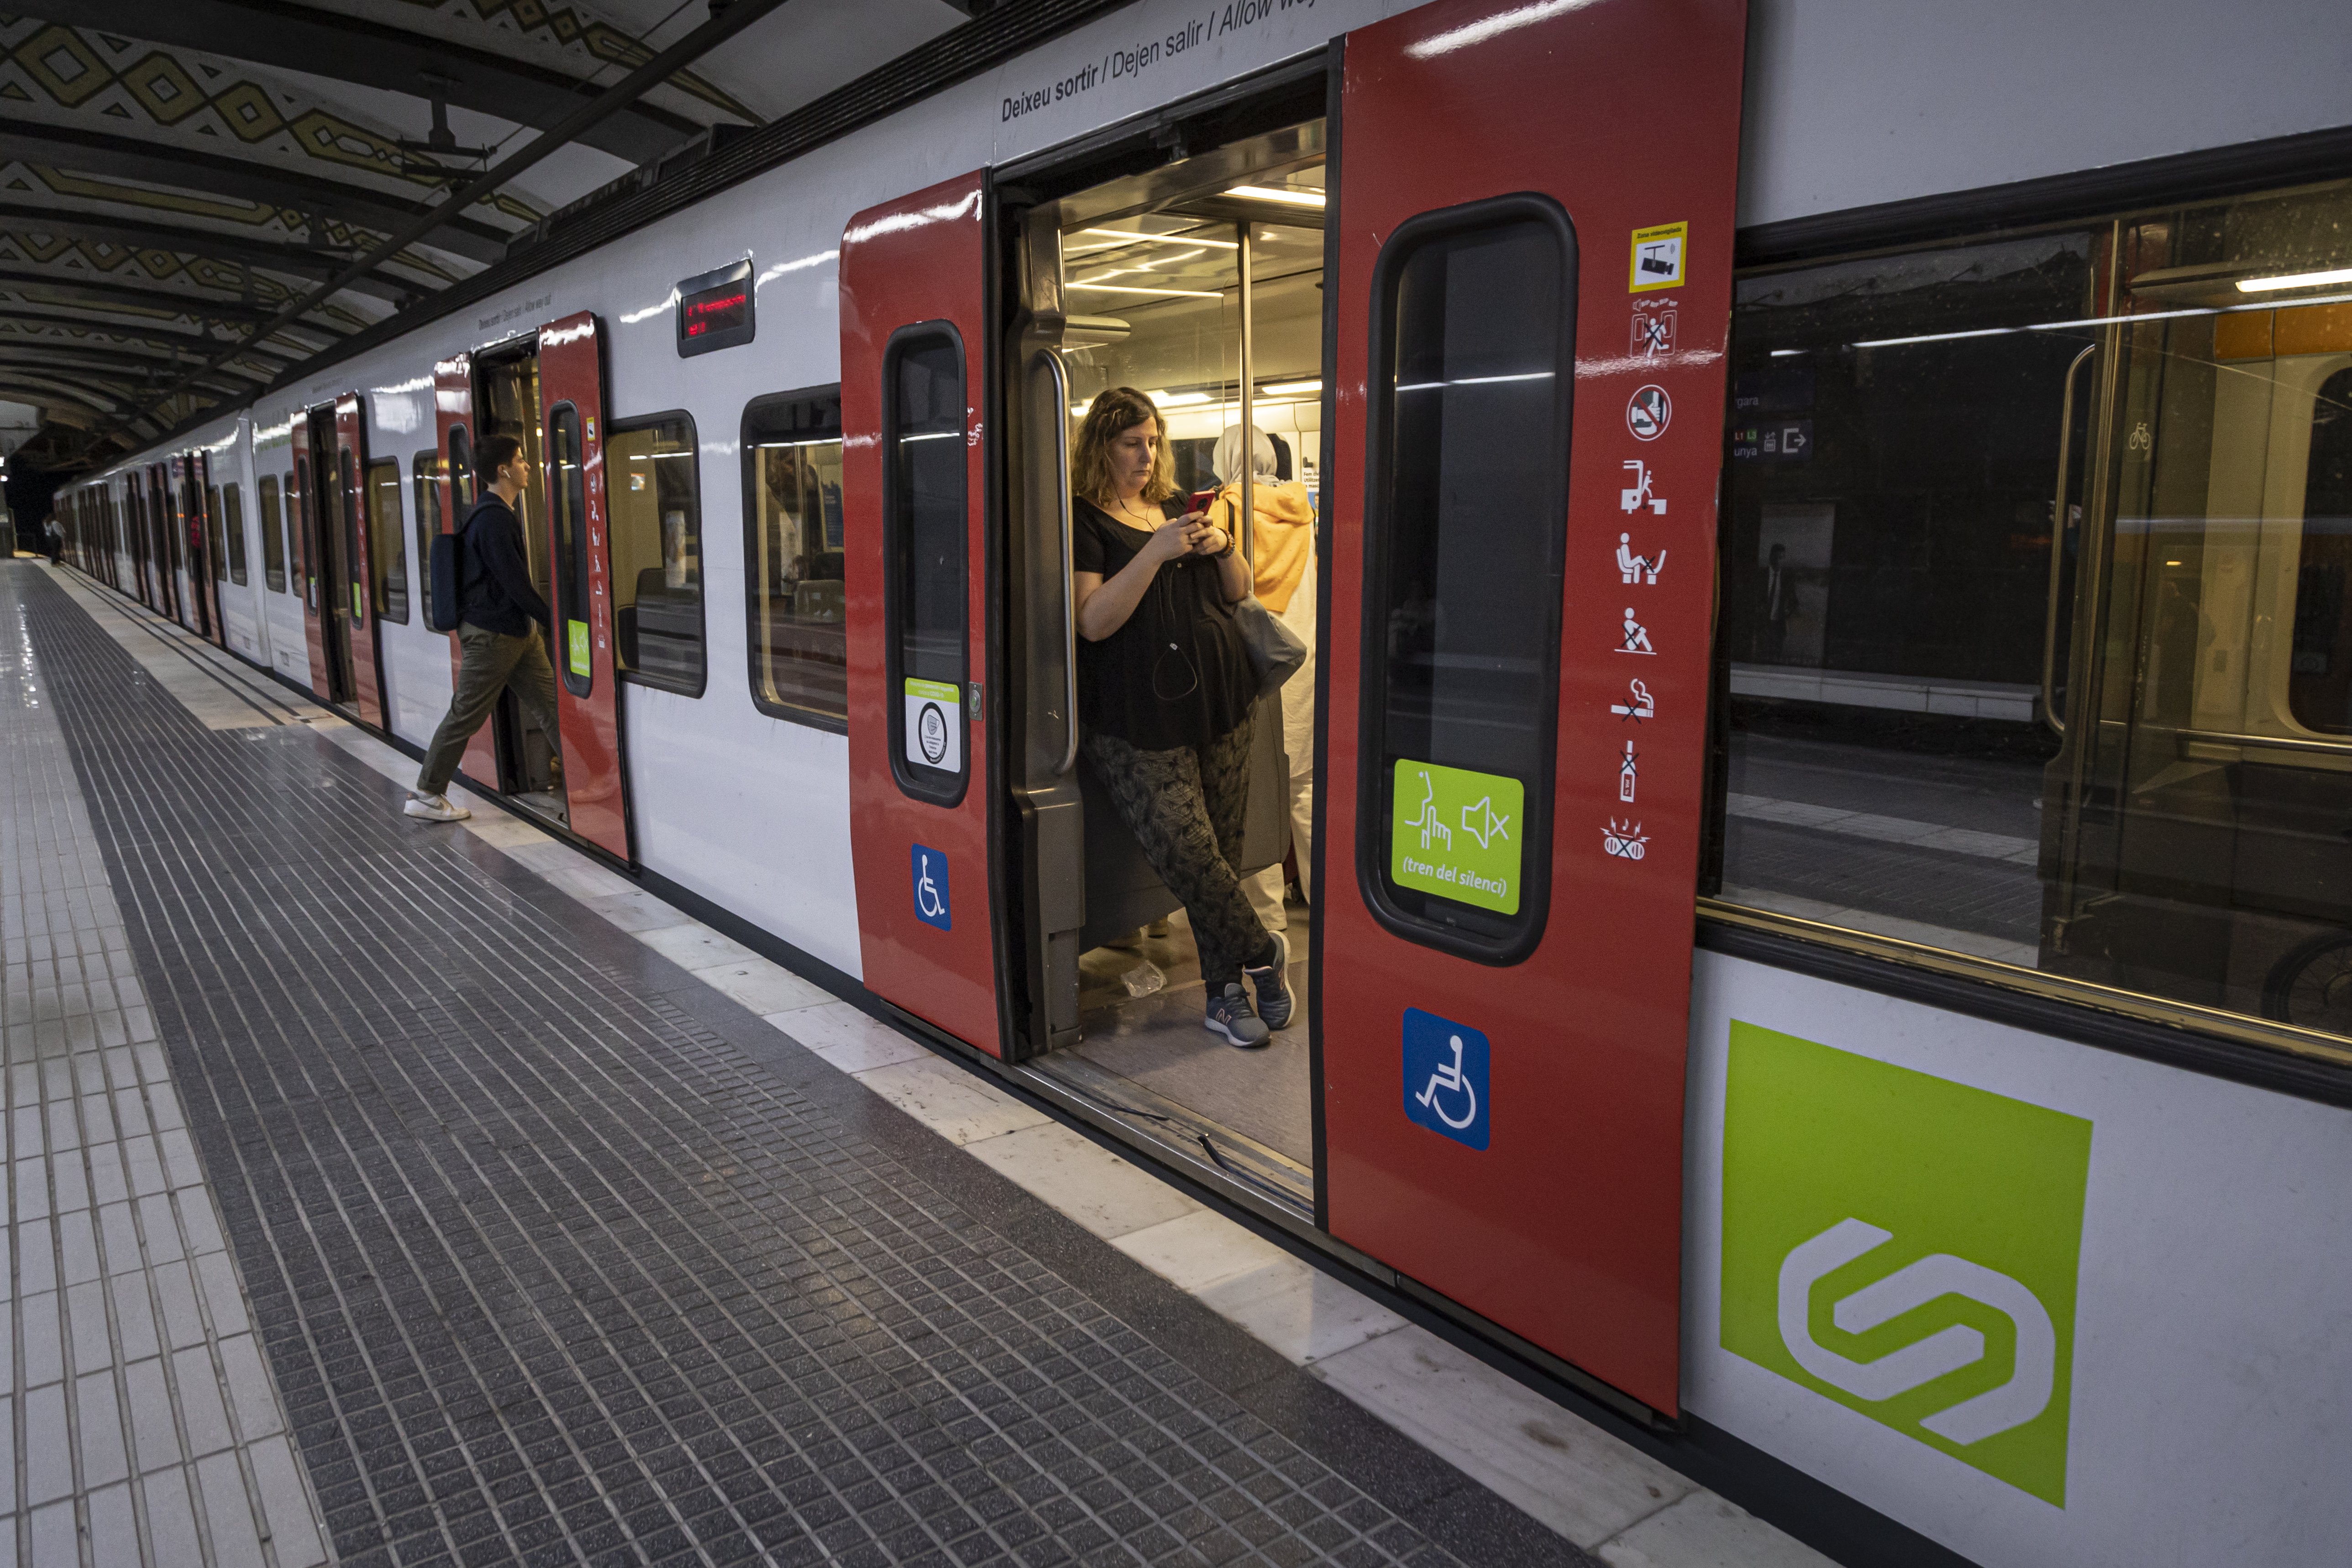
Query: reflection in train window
(233, 528)
(423, 474)
(656, 530)
(273, 537)
(567, 500)
(387, 542)
(924, 548)
(2036, 616)
(216, 546)
(793, 546)
(1473, 333)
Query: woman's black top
(1178, 673)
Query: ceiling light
(1177, 400)
(1162, 239)
(1785, 353)
(1268, 194)
(2294, 280)
(1291, 389)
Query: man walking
(497, 647)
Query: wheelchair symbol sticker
(930, 880)
(1445, 1077)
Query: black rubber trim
(2204, 175)
(2256, 1066)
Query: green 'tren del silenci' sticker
(576, 632)
(1456, 834)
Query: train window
(232, 530)
(424, 473)
(926, 530)
(216, 534)
(654, 498)
(273, 537)
(1472, 338)
(461, 474)
(793, 546)
(2036, 612)
(568, 500)
(387, 542)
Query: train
(1826, 909)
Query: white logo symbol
(1427, 821)
(2140, 440)
(1448, 1079)
(1648, 413)
(1654, 331)
(1494, 828)
(1626, 774)
(927, 893)
(2026, 1394)
(1637, 636)
(1637, 704)
(1627, 842)
(1637, 569)
(1637, 496)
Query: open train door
(587, 684)
(915, 335)
(358, 576)
(453, 413)
(1532, 295)
(302, 500)
(208, 535)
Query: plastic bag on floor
(1144, 978)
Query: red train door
(587, 694)
(914, 355)
(302, 500)
(366, 664)
(453, 405)
(1533, 222)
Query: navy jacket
(494, 588)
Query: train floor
(386, 1193)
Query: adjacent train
(1827, 902)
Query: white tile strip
(141, 1423)
(1599, 1493)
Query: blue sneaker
(1230, 1015)
(1273, 983)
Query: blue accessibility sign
(930, 875)
(1445, 1077)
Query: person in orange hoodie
(1282, 541)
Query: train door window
(273, 537)
(568, 504)
(924, 550)
(656, 522)
(216, 534)
(1473, 339)
(2036, 618)
(232, 528)
(793, 546)
(387, 541)
(461, 474)
(424, 472)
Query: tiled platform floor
(555, 1252)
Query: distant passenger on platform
(1166, 692)
(1281, 558)
(498, 650)
(53, 538)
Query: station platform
(389, 1193)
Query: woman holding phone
(1165, 695)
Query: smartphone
(1201, 499)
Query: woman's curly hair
(1112, 414)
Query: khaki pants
(489, 663)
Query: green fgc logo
(1906, 1246)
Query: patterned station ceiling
(176, 173)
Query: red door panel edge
(351, 475)
(571, 371)
(918, 259)
(1567, 1228)
(453, 409)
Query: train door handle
(2058, 549)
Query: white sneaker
(435, 807)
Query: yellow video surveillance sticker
(1658, 257)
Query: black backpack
(448, 570)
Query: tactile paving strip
(547, 1270)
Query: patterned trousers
(1186, 808)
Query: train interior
(324, 548)
(2037, 612)
(506, 402)
(1201, 285)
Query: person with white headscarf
(1282, 552)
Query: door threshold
(1151, 1118)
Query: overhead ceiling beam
(261, 255)
(196, 304)
(114, 363)
(239, 178)
(150, 331)
(737, 15)
(346, 47)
